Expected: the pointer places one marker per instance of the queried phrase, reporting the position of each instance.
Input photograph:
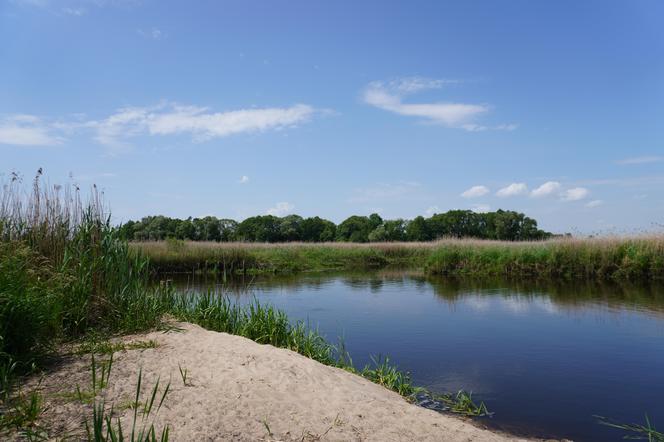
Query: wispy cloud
(575, 194)
(513, 189)
(116, 130)
(546, 189)
(594, 203)
(153, 33)
(641, 160)
(389, 96)
(281, 209)
(475, 192)
(199, 122)
(243, 179)
(27, 130)
(384, 191)
(78, 12)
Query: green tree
(418, 230)
(355, 229)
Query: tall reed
(63, 271)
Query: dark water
(544, 357)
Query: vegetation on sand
(66, 274)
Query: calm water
(544, 358)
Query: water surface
(544, 357)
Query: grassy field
(233, 257)
(631, 258)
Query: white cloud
(388, 96)
(199, 122)
(280, 209)
(475, 191)
(513, 189)
(641, 160)
(243, 179)
(594, 203)
(546, 189)
(481, 208)
(575, 194)
(78, 12)
(153, 33)
(164, 119)
(385, 191)
(508, 127)
(26, 130)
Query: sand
(239, 390)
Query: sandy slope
(239, 388)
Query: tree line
(500, 225)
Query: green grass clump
(63, 273)
(103, 429)
(389, 376)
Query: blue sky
(238, 108)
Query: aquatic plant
(635, 431)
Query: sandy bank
(238, 389)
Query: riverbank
(606, 258)
(236, 389)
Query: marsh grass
(63, 273)
(607, 258)
(246, 258)
(603, 258)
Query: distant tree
(185, 230)
(375, 220)
(390, 230)
(502, 225)
(228, 229)
(356, 228)
(317, 229)
(418, 230)
(290, 228)
(260, 228)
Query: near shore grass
(605, 258)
